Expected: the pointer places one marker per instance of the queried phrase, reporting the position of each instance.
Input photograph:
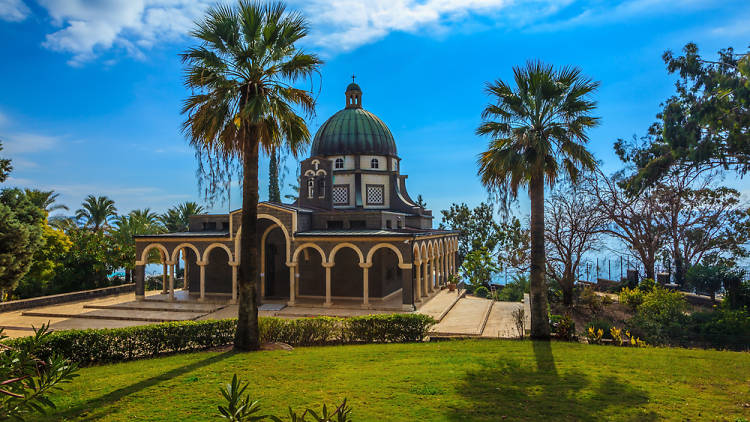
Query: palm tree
(537, 127)
(244, 101)
(137, 222)
(97, 212)
(45, 200)
(177, 218)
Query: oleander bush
(119, 344)
(481, 291)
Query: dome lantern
(353, 130)
(353, 95)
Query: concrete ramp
(466, 318)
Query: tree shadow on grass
(511, 390)
(80, 411)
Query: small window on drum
(310, 188)
(374, 163)
(339, 163)
(321, 188)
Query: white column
(171, 280)
(292, 282)
(365, 284)
(328, 302)
(419, 281)
(234, 282)
(202, 266)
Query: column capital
(201, 263)
(365, 265)
(405, 266)
(234, 263)
(170, 262)
(292, 264)
(328, 264)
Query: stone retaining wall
(65, 297)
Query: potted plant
(452, 282)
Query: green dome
(353, 131)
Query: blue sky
(91, 90)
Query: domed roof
(353, 131)
(353, 87)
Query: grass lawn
(486, 380)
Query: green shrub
(118, 344)
(722, 329)
(601, 324)
(563, 326)
(647, 285)
(513, 291)
(632, 297)
(661, 318)
(590, 299)
(481, 291)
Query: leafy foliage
(45, 200)
(21, 230)
(5, 166)
(177, 218)
(478, 268)
(47, 262)
(513, 290)
(707, 121)
(481, 291)
(240, 408)
(96, 212)
(26, 378)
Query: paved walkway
(439, 305)
(466, 318)
(476, 317)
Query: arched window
(339, 163)
(374, 163)
(310, 188)
(321, 188)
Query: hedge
(119, 344)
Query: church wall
(312, 276)
(349, 162)
(365, 162)
(218, 272)
(376, 179)
(345, 179)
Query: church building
(354, 237)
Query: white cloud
(13, 10)
(23, 143)
(90, 28)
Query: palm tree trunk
(248, 335)
(537, 285)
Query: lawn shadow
(510, 389)
(80, 410)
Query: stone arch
(217, 245)
(309, 245)
(372, 250)
(425, 251)
(176, 250)
(237, 248)
(144, 254)
(417, 252)
(356, 249)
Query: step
(123, 315)
(160, 307)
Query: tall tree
(45, 200)
(274, 193)
(573, 228)
(634, 218)
(97, 212)
(21, 225)
(707, 121)
(242, 74)
(5, 166)
(537, 127)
